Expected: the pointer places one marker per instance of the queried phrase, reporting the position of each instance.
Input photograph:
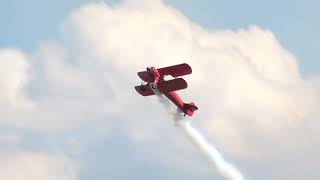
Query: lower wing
(144, 90)
(173, 85)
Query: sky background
(66, 111)
(295, 23)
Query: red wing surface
(173, 85)
(145, 76)
(177, 70)
(144, 90)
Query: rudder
(189, 108)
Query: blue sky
(295, 23)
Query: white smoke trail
(225, 169)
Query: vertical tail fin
(189, 108)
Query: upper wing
(144, 76)
(173, 85)
(176, 70)
(144, 90)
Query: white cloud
(14, 76)
(241, 77)
(35, 166)
(20, 159)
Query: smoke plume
(225, 169)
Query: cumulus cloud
(239, 77)
(28, 165)
(17, 161)
(14, 76)
(248, 87)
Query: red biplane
(154, 79)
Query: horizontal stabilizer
(172, 85)
(144, 90)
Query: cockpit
(150, 69)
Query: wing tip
(188, 67)
(147, 92)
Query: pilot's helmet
(150, 69)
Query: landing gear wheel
(142, 88)
(154, 86)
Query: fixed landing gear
(142, 87)
(154, 86)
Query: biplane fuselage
(156, 83)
